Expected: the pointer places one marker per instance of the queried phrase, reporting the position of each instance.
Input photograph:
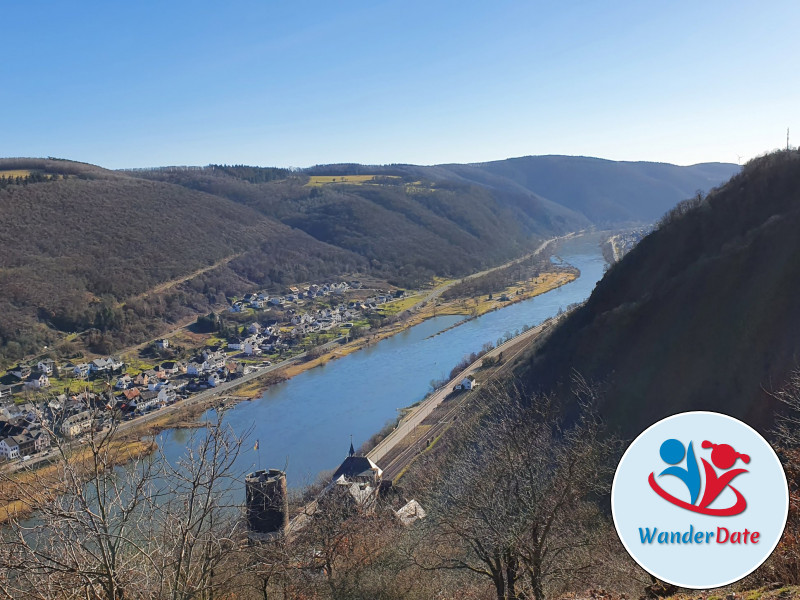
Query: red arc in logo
(723, 456)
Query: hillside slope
(127, 254)
(701, 315)
(605, 191)
(409, 227)
(73, 250)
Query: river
(306, 422)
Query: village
(46, 397)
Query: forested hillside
(83, 248)
(409, 229)
(76, 253)
(701, 315)
(604, 191)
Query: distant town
(46, 397)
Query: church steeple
(352, 450)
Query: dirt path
(163, 287)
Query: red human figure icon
(724, 457)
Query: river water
(305, 423)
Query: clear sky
(297, 83)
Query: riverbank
(429, 307)
(21, 492)
(471, 307)
(187, 413)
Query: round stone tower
(267, 503)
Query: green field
(15, 173)
(320, 180)
(398, 306)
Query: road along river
(306, 422)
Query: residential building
(76, 424)
(9, 448)
(41, 439)
(37, 381)
(21, 371)
(46, 366)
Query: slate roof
(357, 466)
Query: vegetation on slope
(409, 230)
(607, 191)
(701, 314)
(81, 252)
(124, 255)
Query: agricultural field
(398, 306)
(320, 180)
(15, 173)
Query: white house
(157, 384)
(194, 368)
(124, 382)
(99, 365)
(162, 344)
(214, 379)
(110, 363)
(254, 328)
(46, 366)
(81, 370)
(467, 383)
(303, 319)
(214, 360)
(146, 400)
(166, 395)
(9, 448)
(251, 348)
(38, 381)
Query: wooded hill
(77, 253)
(701, 315)
(81, 246)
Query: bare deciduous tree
(516, 505)
(147, 529)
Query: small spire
(352, 450)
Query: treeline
(252, 174)
(32, 177)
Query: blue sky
(132, 84)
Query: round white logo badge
(699, 500)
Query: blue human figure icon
(672, 452)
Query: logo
(723, 457)
(699, 500)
